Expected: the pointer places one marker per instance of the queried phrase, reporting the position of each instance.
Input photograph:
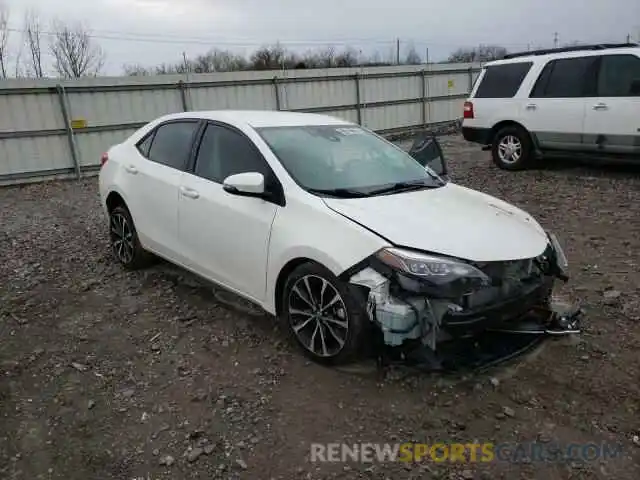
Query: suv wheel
(324, 316)
(124, 240)
(511, 148)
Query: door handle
(131, 169)
(532, 106)
(189, 192)
(600, 106)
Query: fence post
(277, 92)
(183, 95)
(356, 77)
(64, 107)
(424, 98)
(470, 79)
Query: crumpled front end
(427, 301)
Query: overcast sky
(156, 31)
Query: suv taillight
(104, 158)
(468, 110)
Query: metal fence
(54, 129)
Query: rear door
(554, 113)
(153, 183)
(494, 98)
(612, 123)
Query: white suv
(574, 101)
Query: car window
(503, 81)
(172, 143)
(330, 157)
(565, 78)
(145, 144)
(619, 76)
(224, 152)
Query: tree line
(74, 53)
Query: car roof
(572, 54)
(260, 118)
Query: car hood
(450, 220)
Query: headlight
(452, 275)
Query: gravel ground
(107, 374)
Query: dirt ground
(151, 375)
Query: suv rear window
(502, 81)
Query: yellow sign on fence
(451, 84)
(78, 123)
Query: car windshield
(346, 160)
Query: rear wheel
(512, 148)
(124, 240)
(324, 316)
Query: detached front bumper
(406, 317)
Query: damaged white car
(356, 245)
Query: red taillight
(468, 109)
(104, 158)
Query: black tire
(124, 241)
(522, 139)
(354, 316)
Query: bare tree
(74, 53)
(4, 39)
(136, 70)
(412, 57)
(33, 41)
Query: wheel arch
(284, 273)
(507, 123)
(115, 199)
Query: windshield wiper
(404, 187)
(339, 192)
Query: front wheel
(512, 149)
(324, 316)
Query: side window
(566, 78)
(145, 144)
(619, 76)
(171, 144)
(502, 81)
(224, 152)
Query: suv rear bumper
(476, 135)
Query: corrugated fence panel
(19, 113)
(29, 155)
(112, 108)
(445, 110)
(392, 116)
(34, 139)
(240, 97)
(91, 145)
(321, 93)
(391, 88)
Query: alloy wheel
(318, 316)
(510, 149)
(121, 238)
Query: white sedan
(339, 233)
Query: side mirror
(427, 151)
(249, 184)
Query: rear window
(502, 81)
(566, 78)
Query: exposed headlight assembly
(447, 277)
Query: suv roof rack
(577, 48)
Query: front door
(612, 123)
(225, 236)
(554, 113)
